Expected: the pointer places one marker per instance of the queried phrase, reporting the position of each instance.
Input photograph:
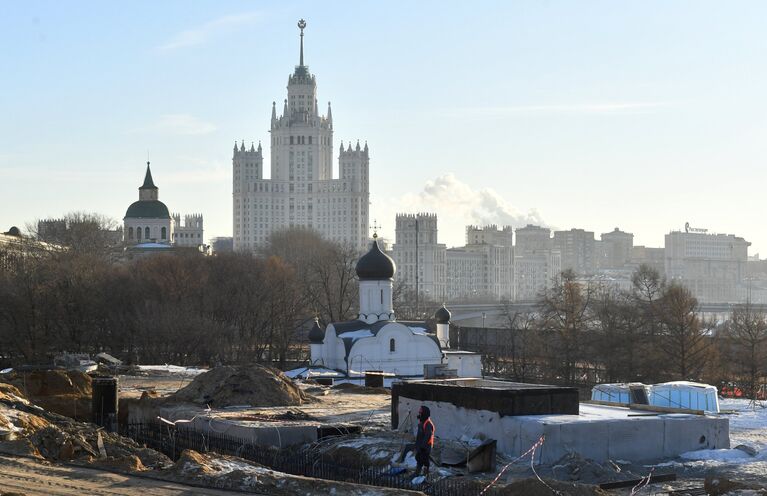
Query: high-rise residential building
(420, 258)
(577, 249)
(490, 235)
(534, 272)
(712, 266)
(301, 190)
(466, 274)
(615, 252)
(536, 263)
(532, 239)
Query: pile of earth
(42, 434)
(66, 392)
(237, 474)
(246, 385)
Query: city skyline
(479, 129)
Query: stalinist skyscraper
(302, 190)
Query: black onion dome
(375, 265)
(442, 316)
(316, 334)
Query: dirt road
(28, 477)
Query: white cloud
(204, 32)
(457, 205)
(181, 124)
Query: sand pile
(254, 385)
(66, 392)
(9, 392)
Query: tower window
(138, 233)
(291, 140)
(164, 233)
(392, 345)
(130, 233)
(146, 232)
(310, 140)
(382, 297)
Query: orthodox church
(376, 340)
(148, 221)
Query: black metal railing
(173, 440)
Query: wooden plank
(649, 408)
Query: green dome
(147, 209)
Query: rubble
(239, 474)
(43, 434)
(253, 385)
(66, 392)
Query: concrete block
(635, 439)
(691, 433)
(588, 439)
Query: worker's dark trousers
(422, 458)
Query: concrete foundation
(596, 432)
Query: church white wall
(411, 353)
(376, 301)
(155, 230)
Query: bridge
(494, 314)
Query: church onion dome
(375, 265)
(316, 334)
(442, 316)
(147, 209)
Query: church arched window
(130, 233)
(164, 234)
(146, 232)
(392, 345)
(138, 233)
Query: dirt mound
(66, 392)
(254, 385)
(345, 385)
(534, 487)
(9, 392)
(229, 472)
(53, 382)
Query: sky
(588, 114)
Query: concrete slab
(597, 432)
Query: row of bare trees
(584, 333)
(181, 308)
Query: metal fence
(173, 440)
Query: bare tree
(748, 329)
(565, 312)
(684, 338)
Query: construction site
(253, 429)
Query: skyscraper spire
(301, 26)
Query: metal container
(104, 402)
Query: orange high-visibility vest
(429, 441)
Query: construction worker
(424, 440)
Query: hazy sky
(642, 115)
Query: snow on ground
(748, 426)
(172, 369)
